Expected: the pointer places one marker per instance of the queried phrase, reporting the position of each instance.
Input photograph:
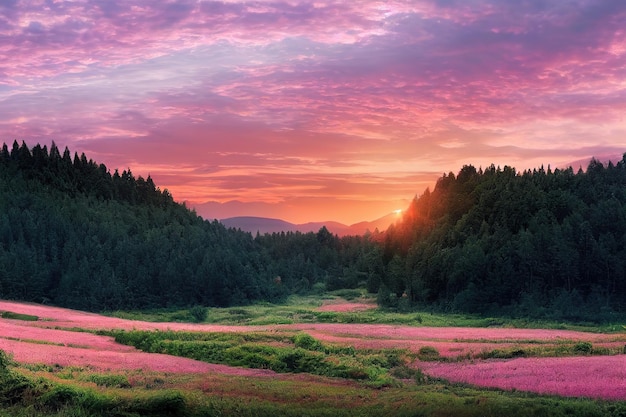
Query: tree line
(75, 235)
(537, 243)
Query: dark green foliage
(166, 403)
(73, 234)
(60, 396)
(583, 347)
(57, 398)
(17, 391)
(300, 353)
(308, 342)
(405, 372)
(198, 313)
(502, 354)
(115, 381)
(538, 243)
(12, 385)
(428, 353)
(4, 363)
(18, 316)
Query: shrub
(12, 387)
(111, 381)
(393, 359)
(502, 354)
(419, 377)
(348, 294)
(167, 403)
(5, 361)
(403, 372)
(300, 360)
(251, 356)
(308, 342)
(59, 397)
(198, 313)
(428, 353)
(584, 348)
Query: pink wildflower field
(42, 342)
(579, 376)
(50, 341)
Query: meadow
(321, 356)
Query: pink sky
(314, 110)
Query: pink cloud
(227, 97)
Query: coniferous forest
(75, 235)
(540, 243)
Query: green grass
(219, 395)
(280, 352)
(304, 309)
(317, 378)
(561, 349)
(17, 316)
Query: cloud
(341, 101)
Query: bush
(251, 356)
(168, 403)
(198, 313)
(59, 397)
(419, 377)
(348, 294)
(5, 361)
(386, 298)
(428, 353)
(403, 372)
(111, 381)
(12, 387)
(394, 359)
(308, 342)
(503, 354)
(584, 348)
(299, 360)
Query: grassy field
(315, 356)
(305, 309)
(30, 391)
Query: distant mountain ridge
(264, 225)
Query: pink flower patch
(581, 376)
(584, 376)
(116, 359)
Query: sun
(398, 212)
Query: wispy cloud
(342, 102)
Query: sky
(314, 110)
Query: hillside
(265, 225)
(76, 235)
(534, 243)
(540, 243)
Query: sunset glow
(314, 110)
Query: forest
(538, 243)
(75, 235)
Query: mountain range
(267, 225)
